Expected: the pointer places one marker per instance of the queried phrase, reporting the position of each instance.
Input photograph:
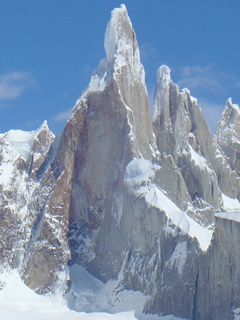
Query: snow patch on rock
(138, 177)
(199, 160)
(179, 257)
(23, 141)
(6, 170)
(230, 204)
(139, 171)
(232, 207)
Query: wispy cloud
(3, 105)
(13, 84)
(209, 84)
(148, 51)
(209, 78)
(62, 116)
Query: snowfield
(18, 302)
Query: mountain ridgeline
(151, 203)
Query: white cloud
(62, 116)
(13, 84)
(148, 51)
(209, 78)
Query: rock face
(183, 134)
(34, 223)
(22, 153)
(227, 134)
(128, 198)
(217, 288)
(116, 128)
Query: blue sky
(49, 48)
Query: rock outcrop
(22, 154)
(227, 134)
(116, 128)
(183, 135)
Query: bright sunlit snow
(230, 204)
(18, 302)
(232, 207)
(6, 173)
(23, 140)
(155, 197)
(139, 173)
(199, 160)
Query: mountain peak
(119, 35)
(161, 95)
(229, 118)
(122, 51)
(227, 134)
(164, 74)
(232, 106)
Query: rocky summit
(150, 202)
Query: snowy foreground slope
(18, 302)
(125, 213)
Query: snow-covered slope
(95, 300)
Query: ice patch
(139, 171)
(179, 256)
(100, 77)
(23, 141)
